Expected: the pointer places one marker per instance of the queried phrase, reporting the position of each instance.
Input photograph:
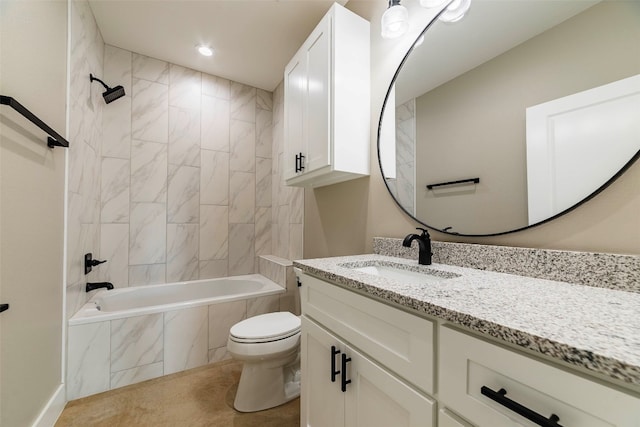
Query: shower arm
(92, 78)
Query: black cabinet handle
(500, 397)
(4, 307)
(334, 353)
(299, 162)
(344, 380)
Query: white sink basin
(404, 274)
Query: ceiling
(253, 39)
(490, 28)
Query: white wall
(33, 69)
(344, 218)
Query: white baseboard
(52, 409)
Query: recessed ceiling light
(204, 50)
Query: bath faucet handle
(89, 262)
(425, 232)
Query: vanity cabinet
(327, 103)
(363, 363)
(368, 363)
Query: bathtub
(140, 300)
(124, 336)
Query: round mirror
(514, 115)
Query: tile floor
(197, 397)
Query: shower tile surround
(115, 353)
(404, 184)
(179, 179)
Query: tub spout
(98, 285)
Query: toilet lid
(266, 326)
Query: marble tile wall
(288, 202)
(280, 270)
(111, 354)
(188, 179)
(178, 180)
(86, 114)
(405, 155)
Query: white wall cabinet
(327, 103)
(390, 366)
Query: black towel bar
(53, 140)
(461, 181)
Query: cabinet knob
(334, 353)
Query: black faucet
(98, 285)
(424, 245)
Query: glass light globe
(455, 11)
(395, 21)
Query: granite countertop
(594, 328)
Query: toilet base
(264, 385)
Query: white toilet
(269, 346)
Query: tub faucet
(424, 245)
(98, 285)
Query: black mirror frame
(566, 211)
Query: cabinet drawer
(468, 365)
(396, 339)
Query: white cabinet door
(295, 86)
(322, 402)
(363, 394)
(375, 398)
(317, 53)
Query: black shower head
(111, 93)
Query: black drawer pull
(334, 353)
(344, 381)
(4, 307)
(500, 397)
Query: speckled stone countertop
(594, 328)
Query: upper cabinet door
(295, 86)
(317, 54)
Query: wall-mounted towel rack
(53, 140)
(461, 181)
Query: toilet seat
(265, 328)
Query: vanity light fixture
(395, 20)
(455, 11)
(204, 50)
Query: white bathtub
(140, 300)
(124, 336)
